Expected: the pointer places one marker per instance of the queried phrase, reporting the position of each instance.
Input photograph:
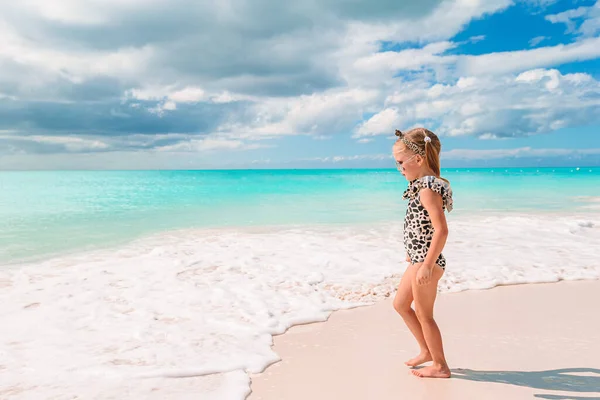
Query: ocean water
(53, 212)
(116, 284)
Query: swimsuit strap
(436, 184)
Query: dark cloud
(109, 118)
(222, 23)
(30, 84)
(95, 89)
(220, 43)
(382, 10)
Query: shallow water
(52, 212)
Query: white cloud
(591, 24)
(360, 157)
(568, 17)
(71, 143)
(208, 144)
(532, 102)
(77, 12)
(537, 75)
(446, 20)
(187, 95)
(333, 110)
(169, 105)
(588, 17)
(433, 56)
(411, 59)
(540, 3)
(164, 143)
(67, 143)
(167, 96)
(381, 123)
(227, 97)
(537, 40)
(514, 61)
(521, 152)
(51, 64)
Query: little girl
(425, 232)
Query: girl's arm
(432, 202)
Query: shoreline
(187, 232)
(108, 247)
(518, 341)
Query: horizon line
(577, 168)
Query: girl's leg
(402, 302)
(424, 300)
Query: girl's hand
(407, 258)
(424, 274)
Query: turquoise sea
(43, 213)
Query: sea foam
(188, 314)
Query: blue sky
(322, 84)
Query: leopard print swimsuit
(418, 229)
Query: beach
(510, 342)
(216, 200)
(178, 288)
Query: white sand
(508, 340)
(189, 314)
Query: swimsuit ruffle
(438, 185)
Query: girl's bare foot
(420, 359)
(433, 371)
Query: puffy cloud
(408, 60)
(381, 123)
(532, 102)
(513, 61)
(588, 19)
(331, 111)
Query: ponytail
(432, 159)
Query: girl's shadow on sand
(566, 379)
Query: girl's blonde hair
(425, 143)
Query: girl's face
(407, 162)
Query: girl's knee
(401, 307)
(423, 315)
